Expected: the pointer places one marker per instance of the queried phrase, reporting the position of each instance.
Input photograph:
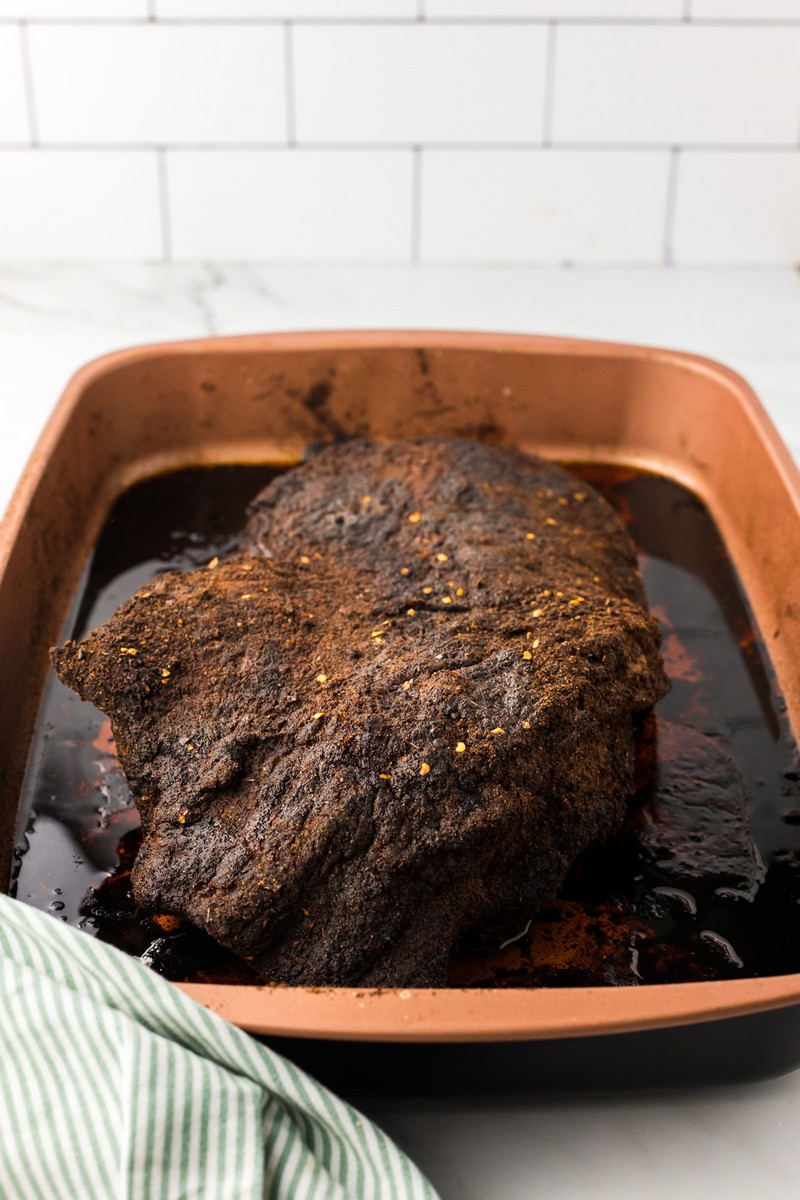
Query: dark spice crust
(394, 718)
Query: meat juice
(702, 881)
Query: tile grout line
(151, 10)
(549, 84)
(27, 75)
(389, 22)
(288, 72)
(421, 10)
(687, 10)
(456, 265)
(416, 205)
(671, 205)
(532, 147)
(163, 204)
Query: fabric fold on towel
(114, 1084)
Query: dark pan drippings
(703, 882)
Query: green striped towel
(113, 1084)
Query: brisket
(390, 720)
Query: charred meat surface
(392, 719)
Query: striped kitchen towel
(113, 1084)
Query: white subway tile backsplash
(73, 9)
(738, 207)
(289, 9)
(677, 84)
(291, 205)
(548, 206)
(590, 9)
(289, 127)
(419, 83)
(13, 107)
(79, 205)
(746, 10)
(156, 83)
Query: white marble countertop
(734, 1142)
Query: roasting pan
(265, 398)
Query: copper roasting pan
(264, 398)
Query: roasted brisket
(391, 720)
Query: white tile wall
(585, 131)
(13, 107)
(158, 83)
(291, 205)
(419, 83)
(677, 84)
(741, 208)
(744, 10)
(520, 206)
(80, 205)
(375, 10)
(591, 9)
(73, 9)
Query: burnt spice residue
(702, 882)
